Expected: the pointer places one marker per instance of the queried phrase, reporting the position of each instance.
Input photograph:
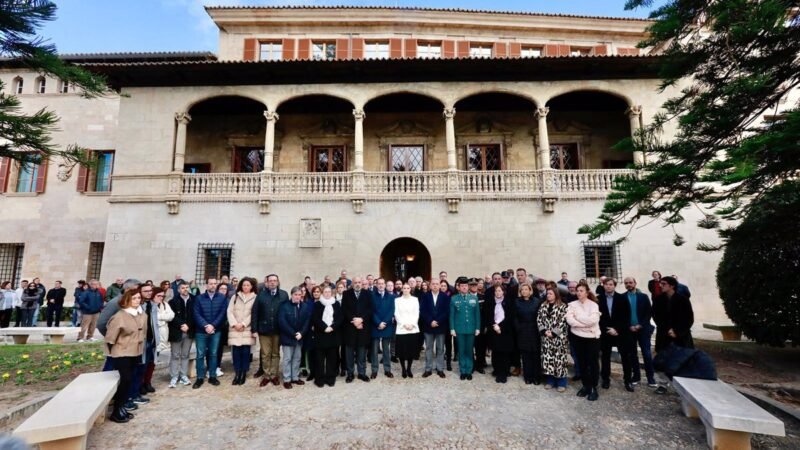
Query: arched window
(18, 85)
(64, 87)
(41, 85)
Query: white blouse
(406, 312)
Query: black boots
(240, 378)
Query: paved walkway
(397, 413)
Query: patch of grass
(33, 364)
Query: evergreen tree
(26, 137)
(734, 62)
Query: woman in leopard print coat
(552, 321)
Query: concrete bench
(50, 335)
(729, 417)
(729, 332)
(64, 422)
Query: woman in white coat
(165, 316)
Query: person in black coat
(615, 322)
(641, 331)
(501, 311)
(357, 311)
(181, 333)
(326, 319)
(528, 336)
(55, 304)
(673, 315)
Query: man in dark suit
(357, 310)
(641, 332)
(615, 322)
(434, 312)
(673, 315)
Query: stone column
(358, 163)
(269, 140)
(183, 120)
(450, 137)
(544, 139)
(635, 114)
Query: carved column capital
(271, 116)
(449, 113)
(183, 118)
(542, 112)
(634, 111)
(359, 114)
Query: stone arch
(610, 92)
(405, 257)
(282, 101)
(482, 91)
(206, 97)
(411, 92)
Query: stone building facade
(392, 141)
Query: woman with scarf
(552, 321)
(327, 320)
(501, 312)
(240, 334)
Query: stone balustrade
(298, 186)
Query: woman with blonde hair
(240, 334)
(583, 317)
(125, 335)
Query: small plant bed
(26, 371)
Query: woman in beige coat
(240, 336)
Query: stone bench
(64, 422)
(729, 417)
(729, 332)
(53, 335)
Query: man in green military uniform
(465, 324)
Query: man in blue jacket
(209, 312)
(434, 312)
(642, 330)
(382, 328)
(90, 303)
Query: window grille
(11, 263)
(95, 260)
(213, 261)
(601, 259)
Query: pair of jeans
(642, 339)
(137, 379)
(291, 362)
(434, 348)
(557, 381)
(207, 345)
(360, 354)
(27, 317)
(465, 343)
(241, 358)
(53, 314)
(179, 356)
(76, 316)
(587, 350)
(35, 315)
(386, 356)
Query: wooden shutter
(551, 50)
(563, 50)
(499, 50)
(358, 48)
(448, 49)
(342, 47)
(250, 49)
(235, 161)
(83, 178)
(600, 49)
(463, 49)
(5, 165)
(411, 48)
(288, 48)
(395, 48)
(304, 49)
(514, 49)
(41, 176)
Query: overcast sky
(87, 26)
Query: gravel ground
(397, 413)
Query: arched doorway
(403, 258)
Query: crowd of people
(319, 332)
